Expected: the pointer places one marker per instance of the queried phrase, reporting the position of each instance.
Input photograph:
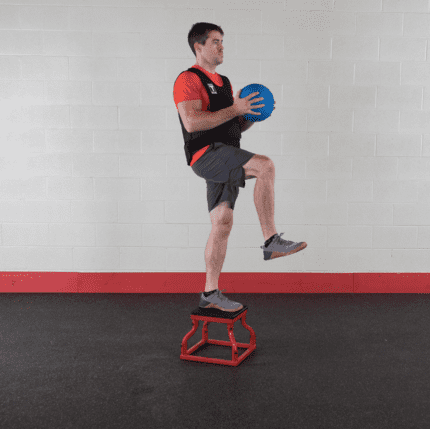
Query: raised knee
(268, 166)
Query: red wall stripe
(55, 282)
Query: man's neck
(206, 66)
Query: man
(212, 123)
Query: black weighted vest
(228, 133)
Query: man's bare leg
(215, 252)
(216, 248)
(264, 200)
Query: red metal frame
(186, 354)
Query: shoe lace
(221, 296)
(280, 240)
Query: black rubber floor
(112, 361)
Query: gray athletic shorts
(222, 168)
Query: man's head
(205, 41)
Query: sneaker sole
(274, 255)
(223, 309)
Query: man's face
(212, 50)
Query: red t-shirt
(188, 86)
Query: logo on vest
(212, 88)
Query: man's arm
(195, 119)
(244, 124)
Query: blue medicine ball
(268, 102)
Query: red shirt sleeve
(188, 86)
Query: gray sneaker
(219, 301)
(280, 247)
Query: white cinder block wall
(92, 167)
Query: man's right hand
(245, 105)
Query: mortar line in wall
(119, 156)
(355, 24)
(376, 97)
(403, 24)
(326, 192)
(401, 73)
(260, 67)
(307, 72)
(379, 49)
(261, 22)
(397, 168)
(331, 49)
(353, 74)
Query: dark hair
(200, 32)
